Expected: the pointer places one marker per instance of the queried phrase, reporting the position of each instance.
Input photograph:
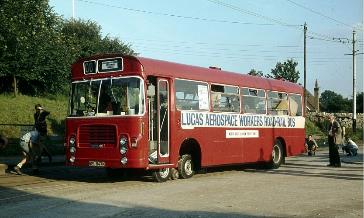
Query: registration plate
(96, 164)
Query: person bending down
(29, 144)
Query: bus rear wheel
(277, 155)
(162, 175)
(185, 166)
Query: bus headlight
(123, 144)
(123, 141)
(124, 160)
(72, 141)
(72, 150)
(72, 159)
(123, 150)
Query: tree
(37, 47)
(83, 38)
(287, 71)
(333, 102)
(359, 102)
(27, 30)
(253, 72)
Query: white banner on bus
(235, 134)
(190, 120)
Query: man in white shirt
(350, 147)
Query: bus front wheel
(277, 155)
(185, 166)
(162, 175)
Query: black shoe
(330, 165)
(17, 170)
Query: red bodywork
(215, 149)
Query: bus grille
(97, 135)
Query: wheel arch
(284, 145)
(192, 147)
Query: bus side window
(187, 95)
(225, 98)
(295, 105)
(277, 103)
(254, 101)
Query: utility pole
(73, 9)
(304, 67)
(354, 52)
(354, 85)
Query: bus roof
(148, 66)
(182, 71)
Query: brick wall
(345, 119)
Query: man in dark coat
(335, 139)
(40, 125)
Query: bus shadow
(25, 203)
(87, 175)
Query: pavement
(11, 161)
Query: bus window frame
(97, 66)
(122, 65)
(175, 91)
(115, 115)
(96, 69)
(258, 89)
(211, 102)
(168, 110)
(289, 104)
(269, 111)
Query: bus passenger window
(191, 95)
(295, 105)
(253, 101)
(277, 103)
(225, 98)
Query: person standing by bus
(335, 139)
(40, 125)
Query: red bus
(173, 119)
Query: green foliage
(30, 45)
(313, 129)
(83, 38)
(287, 71)
(334, 103)
(359, 102)
(17, 118)
(253, 72)
(37, 47)
(357, 136)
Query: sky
(238, 35)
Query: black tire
(186, 167)
(277, 156)
(162, 175)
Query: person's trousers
(334, 155)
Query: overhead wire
(320, 14)
(279, 22)
(174, 15)
(245, 11)
(273, 21)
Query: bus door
(159, 129)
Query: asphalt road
(303, 187)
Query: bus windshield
(107, 97)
